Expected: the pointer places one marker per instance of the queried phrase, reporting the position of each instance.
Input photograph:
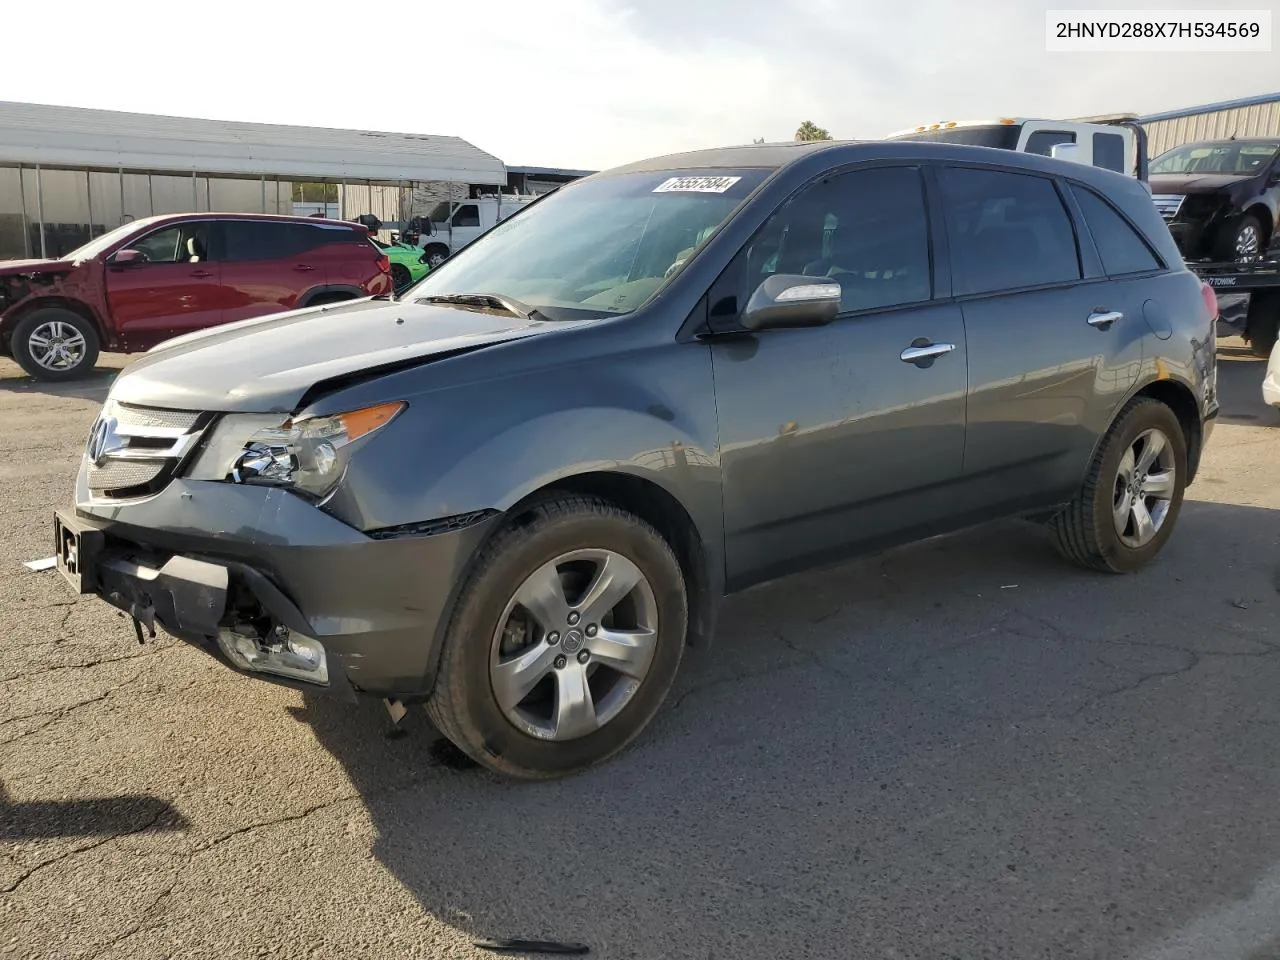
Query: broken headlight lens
(308, 455)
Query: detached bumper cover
(1271, 382)
(378, 606)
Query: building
(69, 174)
(1247, 117)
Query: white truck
(451, 225)
(1114, 142)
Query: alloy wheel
(57, 345)
(1144, 488)
(1248, 243)
(574, 644)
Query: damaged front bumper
(270, 585)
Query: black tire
(463, 705)
(1262, 323)
(400, 276)
(1234, 234)
(39, 321)
(1084, 531)
(326, 298)
(436, 254)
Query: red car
(157, 278)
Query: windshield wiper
(490, 301)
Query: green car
(408, 263)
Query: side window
(1108, 152)
(1121, 248)
(867, 229)
(467, 215)
(181, 243)
(1043, 141)
(264, 240)
(1007, 230)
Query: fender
(329, 288)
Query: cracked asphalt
(962, 749)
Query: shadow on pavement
(1240, 376)
(962, 748)
(108, 816)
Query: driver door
(173, 291)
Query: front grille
(134, 451)
(1168, 204)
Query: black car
(1221, 198)
(516, 492)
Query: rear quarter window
(1007, 230)
(1122, 249)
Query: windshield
(1238, 158)
(1001, 136)
(597, 247)
(105, 242)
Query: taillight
(384, 264)
(1210, 299)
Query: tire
(73, 338)
(465, 703)
(400, 276)
(1085, 531)
(1243, 240)
(1262, 323)
(436, 254)
(326, 298)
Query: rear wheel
(55, 344)
(1130, 499)
(400, 276)
(436, 255)
(564, 643)
(324, 298)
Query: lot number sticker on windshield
(696, 185)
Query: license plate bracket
(76, 545)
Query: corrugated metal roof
(1211, 107)
(1252, 120)
(75, 137)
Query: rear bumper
(202, 558)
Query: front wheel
(565, 642)
(55, 344)
(1127, 506)
(1243, 240)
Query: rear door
(175, 290)
(266, 266)
(1054, 346)
(829, 437)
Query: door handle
(304, 267)
(1102, 319)
(922, 353)
(202, 273)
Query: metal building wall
(1256, 120)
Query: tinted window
(181, 243)
(265, 240)
(1108, 151)
(467, 216)
(867, 229)
(1120, 246)
(1042, 141)
(1007, 230)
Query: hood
(1188, 183)
(267, 364)
(9, 268)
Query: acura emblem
(103, 440)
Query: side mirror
(128, 258)
(792, 300)
(1067, 151)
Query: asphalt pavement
(958, 750)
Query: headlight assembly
(308, 455)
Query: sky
(589, 84)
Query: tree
(811, 131)
(758, 140)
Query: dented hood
(9, 268)
(267, 364)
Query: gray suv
(517, 490)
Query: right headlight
(309, 455)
